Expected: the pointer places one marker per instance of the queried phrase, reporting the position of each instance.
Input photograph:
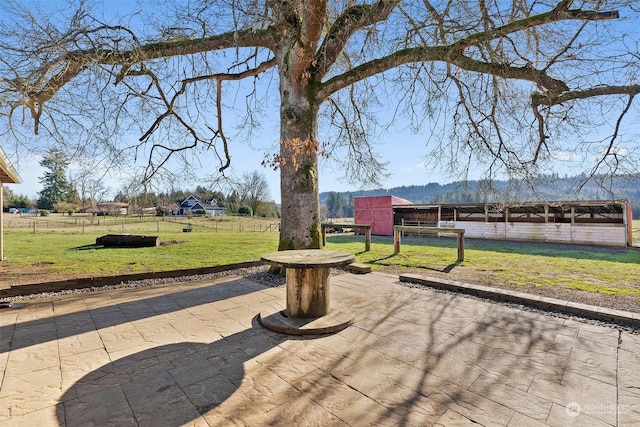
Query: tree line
(82, 191)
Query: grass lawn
(53, 253)
(594, 269)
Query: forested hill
(548, 188)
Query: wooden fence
(122, 223)
(398, 229)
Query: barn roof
(592, 206)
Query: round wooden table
(308, 278)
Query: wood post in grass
(398, 229)
(354, 227)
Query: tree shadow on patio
(173, 384)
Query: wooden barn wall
(376, 212)
(380, 220)
(600, 234)
(534, 232)
(590, 234)
(559, 232)
(628, 220)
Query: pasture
(55, 248)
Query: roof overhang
(591, 206)
(8, 174)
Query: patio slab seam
(587, 311)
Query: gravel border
(529, 307)
(257, 274)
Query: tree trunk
(300, 203)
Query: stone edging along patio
(593, 312)
(83, 283)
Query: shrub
(245, 210)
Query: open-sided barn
(594, 222)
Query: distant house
(112, 208)
(216, 211)
(193, 206)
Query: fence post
(461, 246)
(367, 239)
(396, 240)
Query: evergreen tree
(7, 196)
(56, 187)
(21, 201)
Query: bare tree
(89, 187)
(253, 189)
(504, 86)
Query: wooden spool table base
(308, 292)
(281, 322)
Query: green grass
(603, 270)
(72, 251)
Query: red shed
(377, 212)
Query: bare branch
(186, 82)
(454, 54)
(220, 131)
(73, 63)
(551, 99)
(348, 23)
(559, 13)
(449, 54)
(610, 149)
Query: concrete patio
(193, 354)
